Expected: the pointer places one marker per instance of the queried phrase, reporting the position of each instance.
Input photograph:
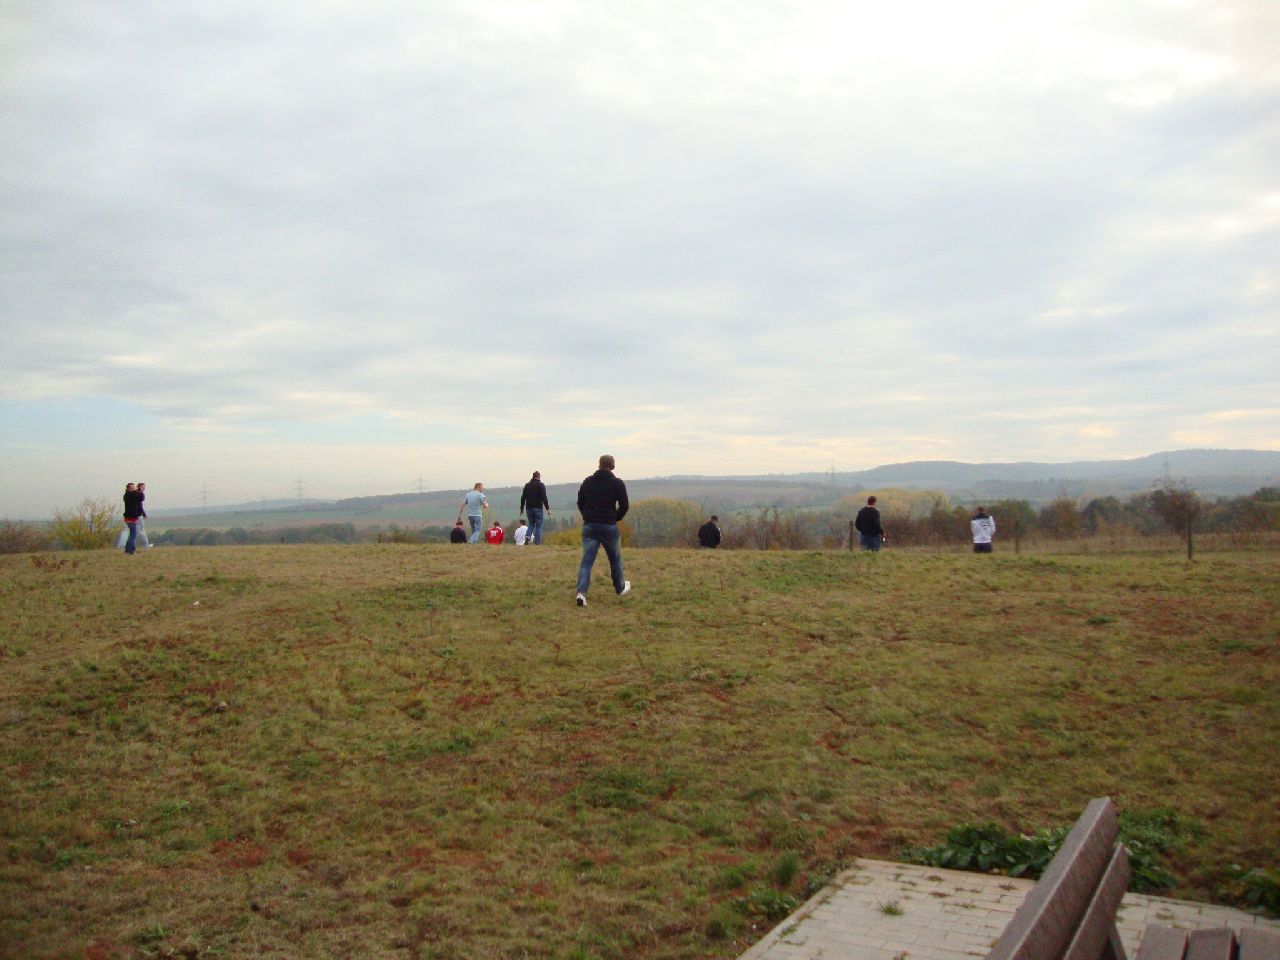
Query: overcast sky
(358, 244)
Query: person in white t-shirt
(522, 533)
(984, 528)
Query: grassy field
(430, 752)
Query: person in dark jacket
(867, 523)
(709, 534)
(534, 505)
(132, 511)
(458, 534)
(602, 501)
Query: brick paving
(894, 911)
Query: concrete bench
(1168, 943)
(1070, 914)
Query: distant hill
(290, 503)
(1210, 472)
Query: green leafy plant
(989, 848)
(1257, 888)
(767, 904)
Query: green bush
(91, 525)
(989, 848)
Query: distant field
(430, 752)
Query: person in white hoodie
(984, 528)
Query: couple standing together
(134, 514)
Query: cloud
(817, 232)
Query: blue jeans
(130, 545)
(595, 536)
(870, 541)
(536, 516)
(476, 524)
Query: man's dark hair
(607, 462)
(871, 501)
(714, 518)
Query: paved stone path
(893, 911)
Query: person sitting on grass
(494, 534)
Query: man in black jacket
(533, 503)
(602, 501)
(867, 523)
(709, 534)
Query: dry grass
(414, 752)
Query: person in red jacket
(494, 534)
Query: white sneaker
(581, 599)
(626, 588)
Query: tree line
(912, 518)
(931, 520)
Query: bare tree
(1179, 506)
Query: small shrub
(617, 788)
(1258, 889)
(733, 877)
(569, 537)
(770, 905)
(91, 525)
(785, 870)
(723, 923)
(1147, 835)
(151, 935)
(396, 535)
(18, 537)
